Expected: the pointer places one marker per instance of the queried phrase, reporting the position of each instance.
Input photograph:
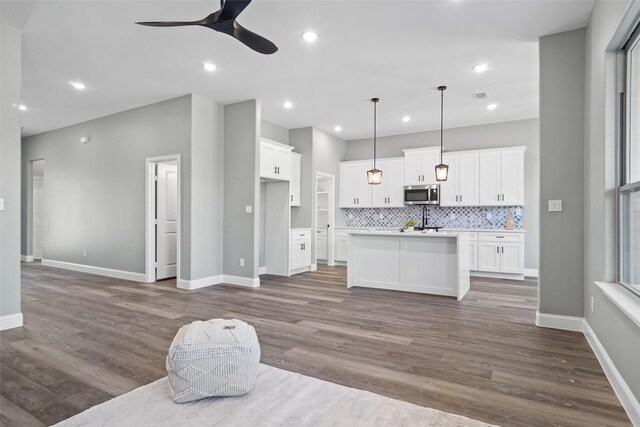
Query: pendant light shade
(374, 176)
(442, 170)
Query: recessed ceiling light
(337, 128)
(22, 107)
(481, 68)
(287, 104)
(209, 66)
(406, 118)
(78, 85)
(492, 106)
(309, 36)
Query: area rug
(280, 398)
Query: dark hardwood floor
(89, 338)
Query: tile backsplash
(481, 217)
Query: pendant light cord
(375, 115)
(441, 120)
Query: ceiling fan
(224, 21)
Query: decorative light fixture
(374, 176)
(442, 170)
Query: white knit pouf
(213, 358)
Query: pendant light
(374, 176)
(442, 170)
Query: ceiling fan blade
(253, 40)
(169, 23)
(232, 8)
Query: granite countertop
(475, 230)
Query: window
(629, 189)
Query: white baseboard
(118, 274)
(314, 267)
(531, 272)
(262, 270)
(10, 321)
(242, 281)
(622, 390)
(200, 283)
(26, 258)
(557, 321)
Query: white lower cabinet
(300, 255)
(473, 252)
(501, 253)
(321, 244)
(341, 245)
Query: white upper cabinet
(461, 187)
(294, 186)
(275, 160)
(420, 165)
(355, 191)
(502, 177)
(390, 193)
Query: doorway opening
(163, 218)
(38, 209)
(324, 218)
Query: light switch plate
(1, 204)
(248, 209)
(555, 205)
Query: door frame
(32, 217)
(332, 217)
(150, 207)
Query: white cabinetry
(420, 165)
(321, 244)
(294, 187)
(341, 245)
(502, 177)
(275, 160)
(461, 187)
(300, 256)
(390, 193)
(355, 191)
(501, 252)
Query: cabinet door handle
(497, 249)
(498, 197)
(354, 200)
(389, 198)
(503, 197)
(456, 197)
(503, 249)
(419, 178)
(292, 197)
(358, 199)
(461, 197)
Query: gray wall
(562, 84)
(95, 192)
(241, 188)
(10, 81)
(617, 333)
(274, 132)
(207, 174)
(328, 152)
(505, 134)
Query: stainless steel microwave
(422, 194)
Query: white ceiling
(399, 51)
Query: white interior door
(38, 217)
(166, 221)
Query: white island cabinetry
(423, 262)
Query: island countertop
(396, 233)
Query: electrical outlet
(489, 216)
(555, 205)
(452, 216)
(381, 216)
(248, 209)
(593, 304)
(241, 262)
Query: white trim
(332, 219)
(26, 258)
(531, 272)
(558, 321)
(101, 271)
(628, 303)
(10, 321)
(200, 283)
(313, 267)
(622, 390)
(262, 270)
(150, 201)
(242, 281)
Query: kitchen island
(424, 262)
